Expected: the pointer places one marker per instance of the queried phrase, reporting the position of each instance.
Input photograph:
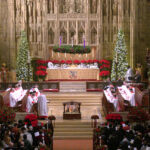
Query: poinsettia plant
(7, 115)
(104, 68)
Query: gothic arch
(93, 36)
(51, 35)
(63, 34)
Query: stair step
(74, 137)
(73, 133)
(79, 129)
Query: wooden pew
(139, 97)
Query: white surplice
(111, 98)
(127, 94)
(16, 95)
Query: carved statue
(93, 6)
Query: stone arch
(63, 34)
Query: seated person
(137, 77)
(42, 106)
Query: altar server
(42, 106)
(30, 101)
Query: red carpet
(74, 144)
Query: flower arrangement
(41, 69)
(7, 115)
(31, 119)
(138, 115)
(114, 117)
(104, 68)
(76, 49)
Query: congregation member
(128, 93)
(42, 106)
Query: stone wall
(96, 21)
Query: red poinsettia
(90, 61)
(105, 66)
(55, 62)
(76, 62)
(41, 68)
(83, 61)
(62, 61)
(104, 73)
(113, 117)
(68, 61)
(103, 61)
(96, 61)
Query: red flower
(90, 61)
(41, 73)
(83, 61)
(62, 62)
(104, 73)
(41, 67)
(105, 66)
(96, 61)
(76, 62)
(103, 61)
(69, 62)
(55, 62)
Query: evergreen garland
(120, 62)
(22, 67)
(76, 49)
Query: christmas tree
(23, 67)
(120, 63)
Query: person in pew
(42, 106)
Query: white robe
(29, 104)
(16, 95)
(42, 105)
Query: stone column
(133, 31)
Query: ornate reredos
(97, 21)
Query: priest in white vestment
(42, 106)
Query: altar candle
(84, 43)
(59, 41)
(65, 55)
(72, 41)
(86, 55)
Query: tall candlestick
(72, 41)
(59, 41)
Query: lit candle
(72, 41)
(59, 41)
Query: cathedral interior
(97, 21)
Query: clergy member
(42, 106)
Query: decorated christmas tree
(120, 63)
(23, 67)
